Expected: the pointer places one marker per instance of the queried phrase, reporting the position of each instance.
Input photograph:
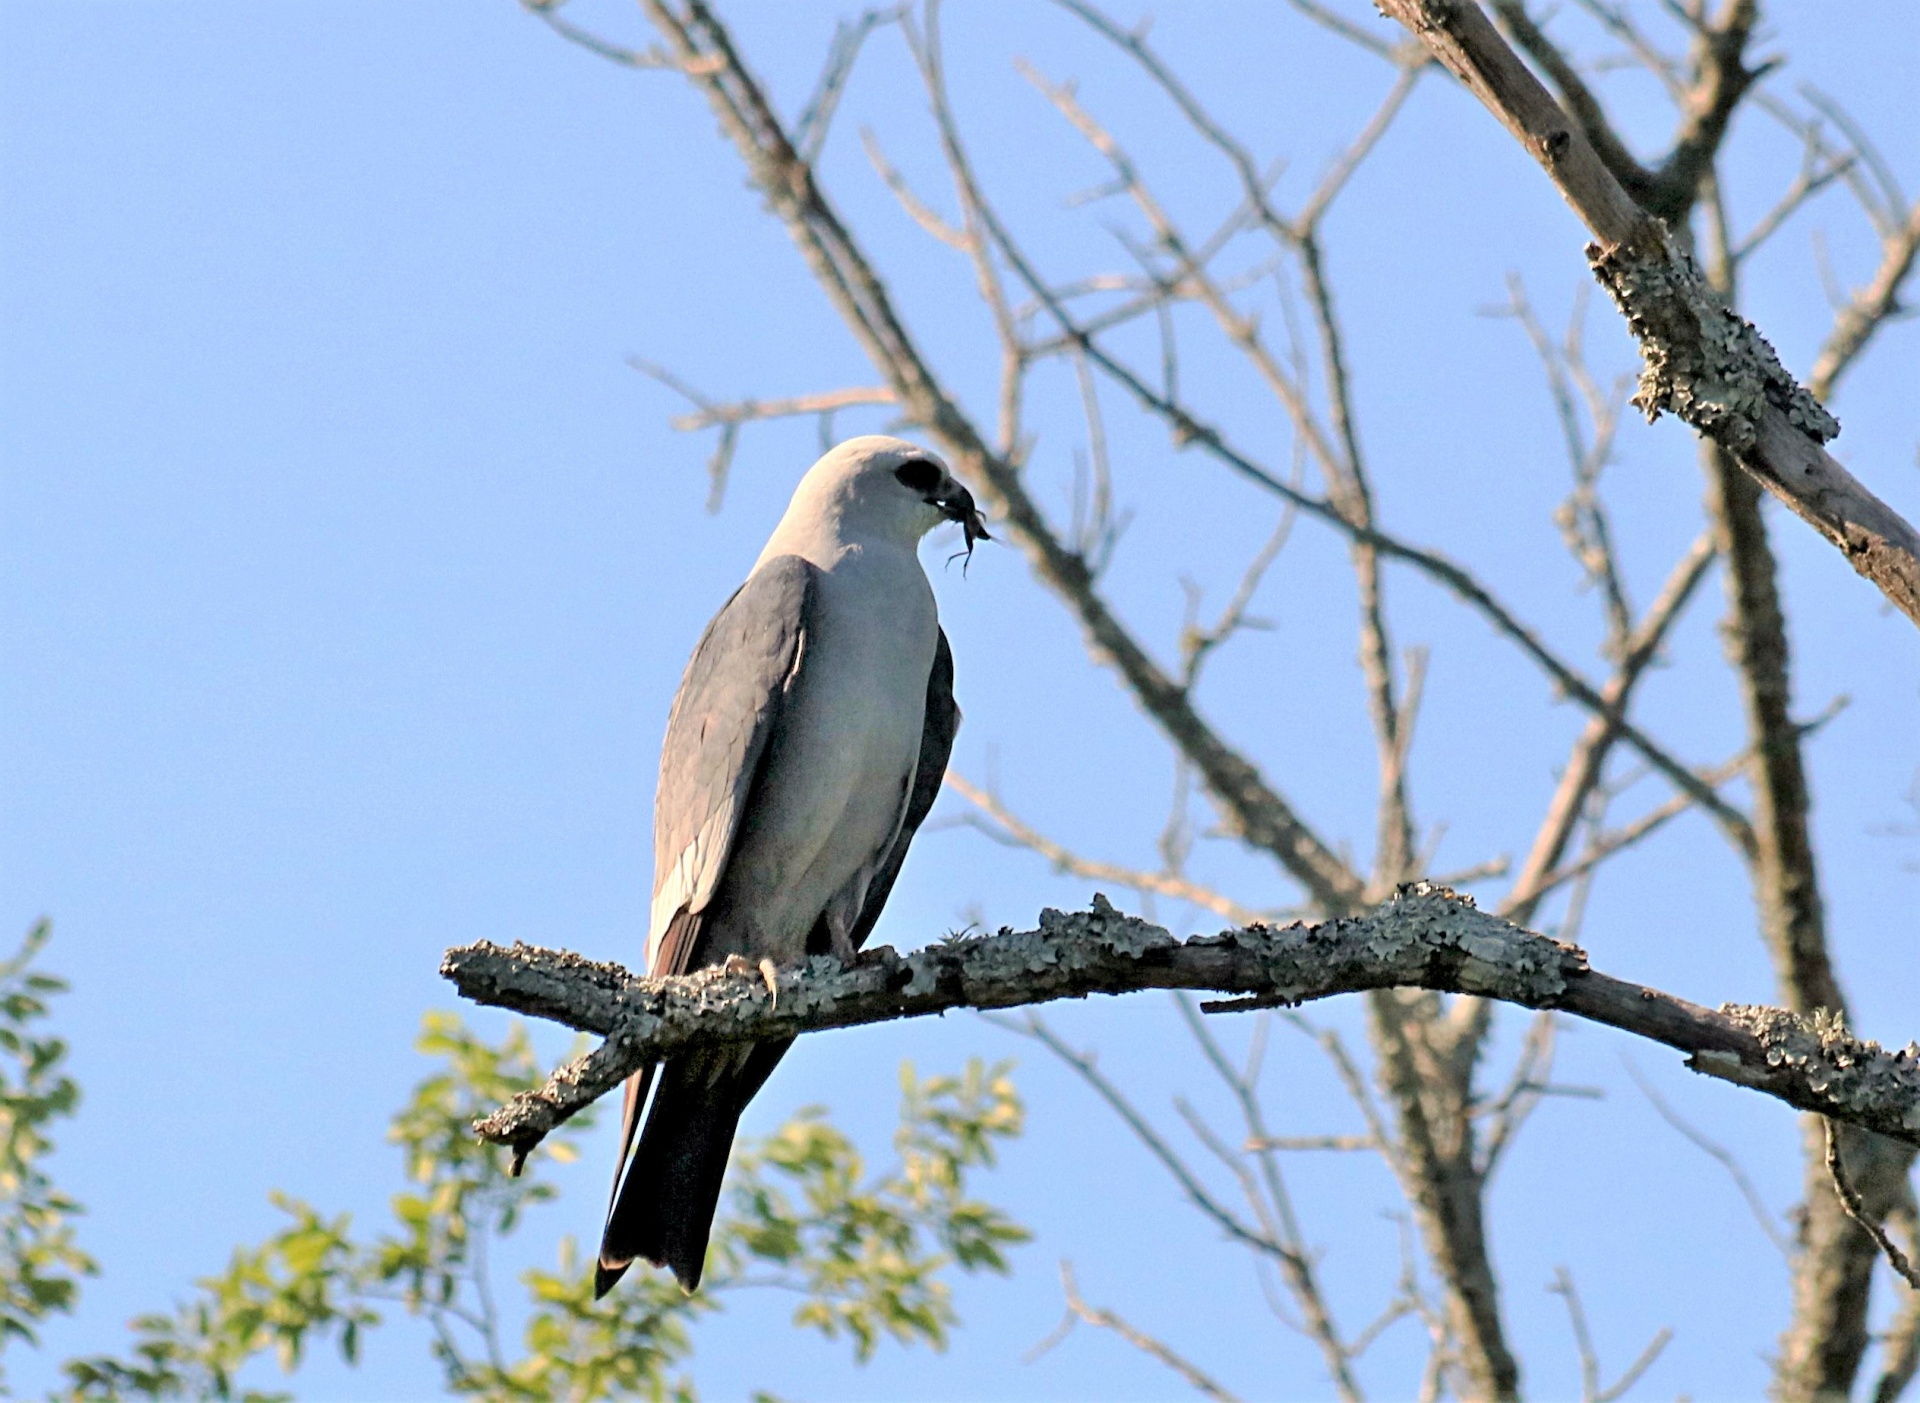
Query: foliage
(314, 1280)
(40, 1267)
(303, 1281)
(867, 1255)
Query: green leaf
(868, 1253)
(41, 1265)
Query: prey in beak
(937, 488)
(956, 504)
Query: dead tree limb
(1703, 362)
(1426, 937)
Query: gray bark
(1425, 937)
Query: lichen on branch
(1703, 361)
(1424, 937)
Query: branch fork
(1704, 363)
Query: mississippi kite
(805, 746)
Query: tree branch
(1870, 1225)
(1871, 308)
(1702, 361)
(1012, 829)
(1900, 1357)
(1827, 1337)
(1196, 1378)
(1425, 937)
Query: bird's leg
(772, 976)
(840, 943)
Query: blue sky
(348, 570)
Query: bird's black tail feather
(663, 1210)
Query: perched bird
(805, 746)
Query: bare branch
(1087, 1068)
(1424, 938)
(1583, 518)
(1721, 1155)
(1454, 578)
(729, 417)
(1188, 429)
(1900, 1360)
(1351, 494)
(1869, 309)
(1886, 200)
(1587, 764)
(1703, 362)
(747, 411)
(1821, 1350)
(1478, 872)
(1197, 643)
(1590, 1390)
(1306, 223)
(1718, 78)
(1618, 21)
(549, 12)
(1606, 843)
(1198, 1379)
(1096, 532)
(917, 209)
(1065, 860)
(1575, 95)
(1297, 1265)
(1347, 29)
(1813, 178)
(1523, 1091)
(1291, 1143)
(1850, 1198)
(810, 132)
(1330, 1043)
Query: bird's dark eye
(918, 475)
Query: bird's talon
(772, 976)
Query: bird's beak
(957, 504)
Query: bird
(803, 750)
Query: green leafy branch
(40, 1265)
(869, 1254)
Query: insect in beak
(957, 505)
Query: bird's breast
(841, 763)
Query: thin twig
(1196, 1378)
(1721, 1155)
(810, 132)
(1084, 1065)
(1297, 1266)
(1012, 828)
(1850, 1200)
(1590, 1389)
(1900, 1355)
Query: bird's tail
(664, 1202)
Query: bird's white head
(875, 488)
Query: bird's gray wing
(727, 709)
(936, 745)
(718, 733)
